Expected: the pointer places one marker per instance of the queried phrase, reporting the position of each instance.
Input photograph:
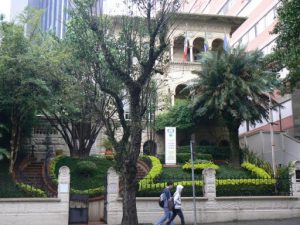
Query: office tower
(56, 12)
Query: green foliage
(287, 49)
(259, 172)
(92, 185)
(215, 151)
(33, 191)
(86, 168)
(200, 166)
(179, 116)
(232, 86)
(4, 153)
(153, 173)
(252, 157)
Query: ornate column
(172, 52)
(63, 192)
(209, 183)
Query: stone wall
(209, 208)
(39, 211)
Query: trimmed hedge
(219, 153)
(200, 166)
(259, 172)
(185, 157)
(32, 191)
(92, 192)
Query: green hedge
(185, 157)
(220, 153)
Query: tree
(21, 88)
(287, 49)
(72, 108)
(125, 52)
(233, 85)
(179, 116)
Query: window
(225, 7)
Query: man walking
(166, 196)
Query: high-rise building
(56, 12)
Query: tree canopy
(287, 49)
(233, 85)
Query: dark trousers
(175, 213)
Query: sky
(5, 8)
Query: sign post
(170, 145)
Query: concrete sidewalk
(292, 221)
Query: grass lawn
(81, 182)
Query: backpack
(171, 203)
(161, 200)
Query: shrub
(86, 168)
(153, 173)
(259, 172)
(221, 153)
(200, 166)
(252, 157)
(185, 157)
(33, 191)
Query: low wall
(39, 211)
(209, 208)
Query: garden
(252, 178)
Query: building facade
(56, 13)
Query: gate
(79, 209)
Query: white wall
(39, 211)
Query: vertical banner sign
(170, 145)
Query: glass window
(252, 34)
(260, 26)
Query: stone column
(296, 179)
(63, 192)
(172, 52)
(191, 54)
(209, 183)
(114, 205)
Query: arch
(198, 47)
(178, 47)
(224, 143)
(178, 92)
(217, 44)
(149, 148)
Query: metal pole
(193, 178)
(272, 135)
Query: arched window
(149, 148)
(178, 49)
(217, 44)
(198, 48)
(179, 93)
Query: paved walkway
(293, 221)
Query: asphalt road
(293, 221)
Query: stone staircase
(142, 169)
(32, 174)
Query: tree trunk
(234, 145)
(14, 143)
(129, 194)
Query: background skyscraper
(56, 12)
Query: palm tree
(233, 85)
